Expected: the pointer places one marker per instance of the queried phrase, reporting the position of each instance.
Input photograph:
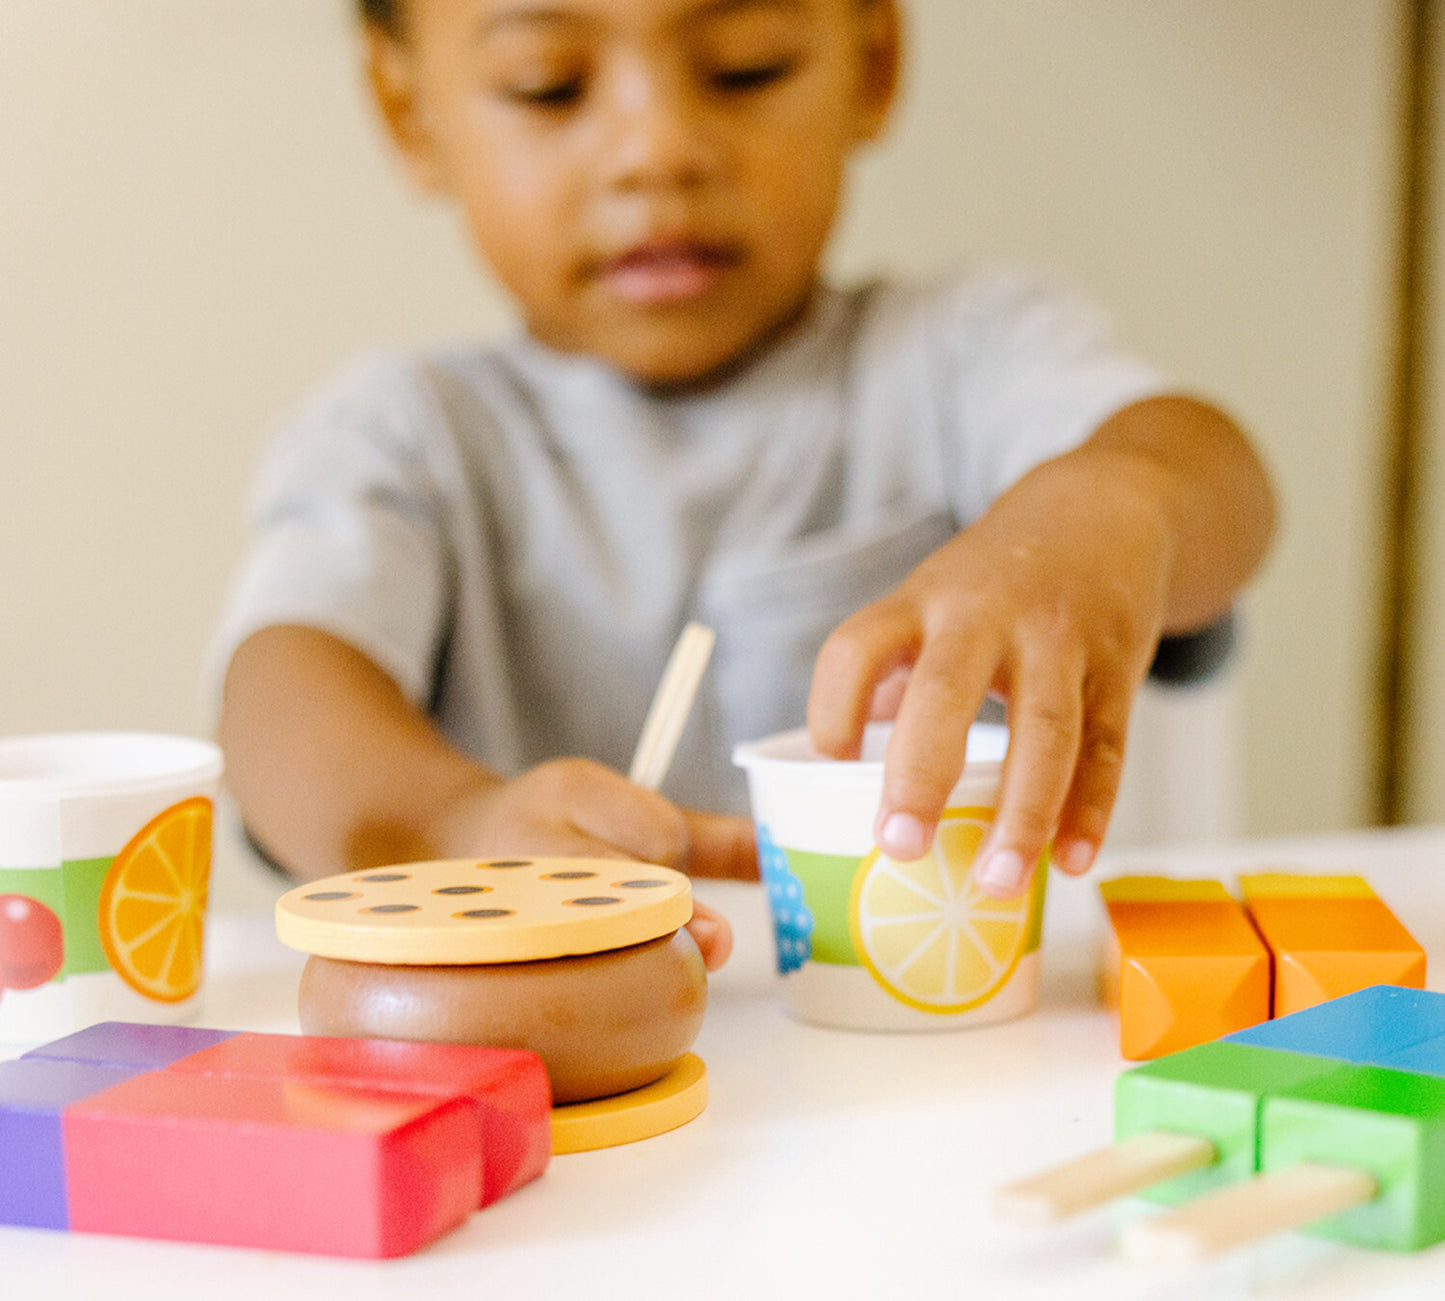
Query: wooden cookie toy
(583, 961)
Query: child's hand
(1055, 600)
(575, 807)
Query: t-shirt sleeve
(1027, 369)
(345, 532)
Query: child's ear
(391, 75)
(881, 65)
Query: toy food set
(582, 961)
(1330, 1119)
(105, 854)
(344, 1147)
(1187, 962)
(866, 942)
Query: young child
(470, 565)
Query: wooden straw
(1090, 1181)
(671, 705)
(1245, 1212)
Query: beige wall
(196, 223)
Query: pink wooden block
(286, 1164)
(508, 1087)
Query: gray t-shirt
(517, 536)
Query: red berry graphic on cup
(32, 942)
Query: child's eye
(754, 76)
(556, 94)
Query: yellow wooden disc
(470, 911)
(678, 1097)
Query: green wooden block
(1388, 1123)
(1215, 1091)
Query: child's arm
(335, 769)
(1056, 599)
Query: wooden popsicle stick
(1131, 1164)
(667, 715)
(1267, 1204)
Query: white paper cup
(105, 850)
(865, 943)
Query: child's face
(654, 180)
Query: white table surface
(828, 1164)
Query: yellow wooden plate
(678, 1097)
(469, 911)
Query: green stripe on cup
(827, 889)
(83, 880)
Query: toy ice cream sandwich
(583, 961)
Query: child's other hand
(579, 808)
(1055, 599)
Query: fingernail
(1003, 871)
(1076, 857)
(703, 931)
(901, 836)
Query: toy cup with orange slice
(869, 943)
(583, 961)
(105, 853)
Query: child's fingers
(1046, 724)
(600, 807)
(720, 845)
(713, 934)
(1100, 768)
(929, 742)
(862, 651)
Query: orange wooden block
(1185, 966)
(1329, 936)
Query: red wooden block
(507, 1086)
(284, 1164)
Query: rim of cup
(53, 764)
(792, 753)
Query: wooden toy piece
(672, 703)
(507, 1088)
(1302, 1134)
(337, 1146)
(603, 1023)
(1129, 1166)
(1329, 935)
(33, 1095)
(127, 1043)
(582, 961)
(276, 1163)
(464, 911)
(1373, 1026)
(678, 1097)
(1292, 1198)
(1185, 965)
(1357, 1155)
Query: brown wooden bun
(603, 1023)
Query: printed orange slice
(153, 903)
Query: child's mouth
(666, 274)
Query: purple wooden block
(125, 1043)
(33, 1094)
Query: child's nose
(660, 135)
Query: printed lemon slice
(153, 903)
(926, 932)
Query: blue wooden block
(33, 1094)
(1370, 1027)
(1426, 1058)
(123, 1043)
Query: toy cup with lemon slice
(105, 854)
(582, 961)
(867, 943)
